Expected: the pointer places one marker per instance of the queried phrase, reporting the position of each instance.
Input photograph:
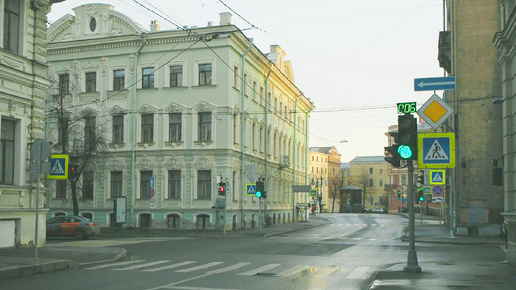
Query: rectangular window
(204, 184)
(205, 126)
(116, 184)
(205, 74)
(174, 184)
(7, 151)
(235, 77)
(176, 76)
(118, 129)
(64, 84)
(118, 80)
(174, 127)
(145, 184)
(62, 135)
(89, 133)
(380, 182)
(87, 185)
(147, 78)
(371, 200)
(371, 183)
(371, 170)
(12, 26)
(147, 128)
(61, 188)
(91, 82)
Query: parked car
(72, 226)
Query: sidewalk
(53, 257)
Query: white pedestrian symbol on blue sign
(437, 177)
(436, 152)
(57, 168)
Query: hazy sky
(354, 59)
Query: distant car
(72, 226)
(380, 210)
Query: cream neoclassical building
(186, 107)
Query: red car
(72, 226)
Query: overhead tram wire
(165, 17)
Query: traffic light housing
(399, 195)
(421, 196)
(407, 137)
(421, 179)
(394, 159)
(260, 192)
(222, 188)
(73, 170)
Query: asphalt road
(348, 253)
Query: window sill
(203, 143)
(203, 86)
(116, 145)
(174, 144)
(146, 144)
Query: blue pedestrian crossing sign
(58, 167)
(436, 150)
(250, 189)
(313, 193)
(437, 177)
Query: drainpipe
(266, 137)
(294, 157)
(242, 137)
(133, 129)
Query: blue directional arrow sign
(434, 84)
(436, 150)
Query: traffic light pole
(412, 265)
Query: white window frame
(213, 71)
(112, 78)
(167, 74)
(97, 81)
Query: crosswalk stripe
(358, 273)
(170, 266)
(259, 270)
(326, 272)
(114, 264)
(208, 265)
(134, 267)
(292, 271)
(229, 268)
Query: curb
(37, 268)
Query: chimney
(154, 26)
(225, 18)
(210, 23)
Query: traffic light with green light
(407, 137)
(260, 193)
(421, 196)
(399, 195)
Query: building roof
(370, 159)
(345, 166)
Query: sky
(354, 59)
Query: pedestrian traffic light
(260, 193)
(394, 158)
(222, 188)
(264, 194)
(407, 136)
(399, 195)
(73, 170)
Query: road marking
(358, 273)
(229, 268)
(208, 265)
(292, 271)
(114, 264)
(259, 270)
(134, 267)
(170, 266)
(323, 273)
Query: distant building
(186, 108)
(324, 173)
(370, 173)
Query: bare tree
(73, 130)
(334, 185)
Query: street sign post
(436, 150)
(434, 84)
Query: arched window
(203, 221)
(173, 221)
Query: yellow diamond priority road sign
(435, 111)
